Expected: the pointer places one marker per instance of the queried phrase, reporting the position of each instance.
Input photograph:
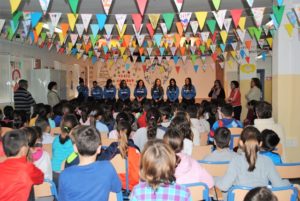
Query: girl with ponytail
(250, 168)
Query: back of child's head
(67, 108)
(87, 140)
(174, 138)
(146, 105)
(31, 135)
(68, 122)
(39, 134)
(182, 123)
(192, 111)
(260, 194)
(227, 110)
(152, 119)
(158, 163)
(20, 119)
(222, 137)
(270, 140)
(13, 141)
(43, 123)
(263, 110)
(36, 109)
(124, 130)
(45, 111)
(135, 107)
(8, 112)
(122, 116)
(250, 138)
(57, 109)
(165, 112)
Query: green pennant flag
(74, 5)
(216, 4)
(10, 33)
(193, 57)
(251, 31)
(16, 17)
(202, 48)
(43, 36)
(255, 32)
(90, 53)
(211, 25)
(278, 12)
(168, 17)
(94, 39)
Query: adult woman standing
(255, 90)
(188, 92)
(52, 96)
(217, 92)
(140, 91)
(109, 92)
(172, 92)
(235, 99)
(157, 92)
(124, 92)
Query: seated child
(269, 142)
(259, 194)
(17, 174)
(157, 172)
(43, 123)
(122, 116)
(250, 168)
(188, 170)
(97, 116)
(165, 112)
(91, 180)
(221, 141)
(62, 146)
(8, 119)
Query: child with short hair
(270, 140)
(43, 123)
(221, 141)
(157, 172)
(91, 180)
(17, 174)
(8, 119)
(259, 194)
(188, 170)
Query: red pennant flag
(213, 37)
(150, 29)
(214, 56)
(144, 68)
(142, 5)
(248, 59)
(248, 44)
(236, 15)
(137, 20)
(177, 69)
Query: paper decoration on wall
(157, 39)
(241, 33)
(185, 19)
(164, 28)
(289, 28)
(35, 18)
(72, 18)
(106, 5)
(196, 67)
(201, 17)
(250, 2)
(178, 4)
(137, 19)
(220, 16)
(142, 5)
(216, 4)
(236, 15)
(154, 18)
(211, 25)
(224, 36)
(79, 28)
(44, 5)
(168, 18)
(279, 2)
(258, 14)
(274, 20)
(95, 29)
(278, 13)
(120, 18)
(101, 19)
(74, 5)
(177, 69)
(179, 28)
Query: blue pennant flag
(101, 18)
(175, 58)
(35, 18)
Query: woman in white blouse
(255, 92)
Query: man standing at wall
(23, 98)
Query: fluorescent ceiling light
(57, 30)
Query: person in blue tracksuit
(124, 92)
(188, 92)
(140, 91)
(157, 93)
(97, 92)
(83, 91)
(172, 92)
(109, 92)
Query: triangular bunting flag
(141, 39)
(80, 29)
(142, 5)
(242, 23)
(35, 18)
(220, 16)
(179, 28)
(196, 67)
(178, 4)
(72, 18)
(193, 58)
(108, 28)
(101, 18)
(216, 4)
(54, 17)
(194, 25)
(223, 47)
(106, 5)
(95, 29)
(150, 29)
(224, 36)
(122, 32)
(227, 23)
(154, 18)
(236, 15)
(73, 38)
(44, 5)
(137, 20)
(173, 50)
(211, 25)
(201, 17)
(143, 58)
(164, 28)
(175, 58)
(204, 35)
(185, 19)
(250, 2)
(248, 44)
(168, 18)
(289, 28)
(120, 18)
(14, 4)
(177, 69)
(64, 27)
(149, 50)
(74, 5)
(241, 33)
(278, 13)
(258, 14)
(157, 39)
(86, 18)
(2, 22)
(270, 41)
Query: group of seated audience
(156, 140)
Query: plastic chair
(45, 189)
(48, 149)
(235, 137)
(5, 130)
(199, 152)
(289, 170)
(115, 196)
(216, 169)
(199, 191)
(238, 193)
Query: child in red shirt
(16, 173)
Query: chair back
(279, 149)
(55, 131)
(119, 164)
(199, 191)
(46, 189)
(237, 193)
(5, 130)
(199, 152)
(235, 137)
(106, 141)
(289, 170)
(215, 169)
(48, 149)
(203, 138)
(115, 196)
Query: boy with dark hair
(270, 140)
(226, 120)
(17, 174)
(43, 123)
(221, 141)
(91, 180)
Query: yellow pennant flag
(182, 41)
(289, 28)
(79, 55)
(14, 4)
(125, 57)
(70, 46)
(154, 18)
(201, 17)
(242, 23)
(72, 18)
(39, 28)
(121, 32)
(61, 38)
(224, 35)
(270, 41)
(233, 53)
(166, 45)
(113, 43)
(122, 50)
(208, 42)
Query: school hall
(112, 100)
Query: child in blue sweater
(188, 92)
(269, 142)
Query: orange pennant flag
(179, 28)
